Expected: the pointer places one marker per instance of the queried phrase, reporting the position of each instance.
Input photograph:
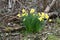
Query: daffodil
(40, 18)
(32, 10)
(43, 14)
(46, 16)
(24, 14)
(39, 14)
(23, 11)
(19, 15)
(50, 20)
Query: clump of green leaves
(32, 23)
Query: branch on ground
(49, 6)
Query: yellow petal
(39, 14)
(23, 11)
(40, 18)
(43, 14)
(19, 15)
(32, 10)
(24, 14)
(46, 16)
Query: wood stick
(49, 6)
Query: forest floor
(11, 27)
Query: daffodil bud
(50, 20)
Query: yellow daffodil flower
(46, 16)
(32, 10)
(23, 11)
(19, 15)
(39, 14)
(40, 18)
(50, 20)
(43, 14)
(24, 14)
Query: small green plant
(33, 21)
(58, 20)
(52, 37)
